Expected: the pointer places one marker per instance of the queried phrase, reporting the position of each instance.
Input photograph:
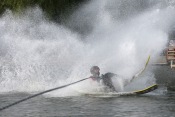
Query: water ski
(116, 94)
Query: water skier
(103, 79)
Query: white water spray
(37, 54)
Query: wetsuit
(106, 80)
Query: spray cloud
(117, 36)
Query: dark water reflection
(134, 106)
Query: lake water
(160, 103)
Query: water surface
(157, 104)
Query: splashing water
(36, 54)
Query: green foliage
(15, 5)
(52, 8)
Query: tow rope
(35, 95)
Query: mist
(116, 35)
